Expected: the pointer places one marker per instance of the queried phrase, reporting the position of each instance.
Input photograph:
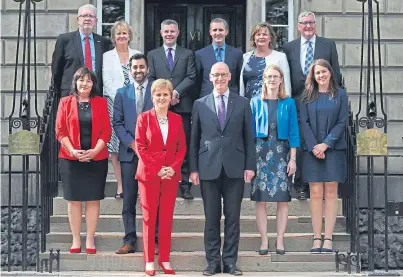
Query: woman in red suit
(161, 147)
(83, 129)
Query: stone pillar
(137, 17)
(253, 16)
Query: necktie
(139, 99)
(218, 54)
(221, 111)
(88, 58)
(170, 59)
(308, 58)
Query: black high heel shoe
(119, 195)
(326, 250)
(280, 251)
(318, 249)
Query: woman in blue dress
(275, 127)
(324, 112)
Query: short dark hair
(138, 56)
(80, 73)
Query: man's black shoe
(302, 195)
(232, 269)
(211, 270)
(187, 195)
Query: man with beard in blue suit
(130, 101)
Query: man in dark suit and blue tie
(77, 49)
(218, 51)
(300, 55)
(222, 158)
(130, 101)
(176, 64)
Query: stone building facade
(336, 19)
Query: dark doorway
(193, 18)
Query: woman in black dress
(83, 129)
(324, 112)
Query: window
(280, 15)
(110, 11)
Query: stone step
(195, 261)
(193, 223)
(188, 242)
(112, 206)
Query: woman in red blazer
(83, 129)
(161, 147)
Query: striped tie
(308, 58)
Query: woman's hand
(291, 167)
(76, 153)
(88, 155)
(166, 172)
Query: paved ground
(194, 274)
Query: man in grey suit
(218, 51)
(300, 55)
(177, 64)
(222, 159)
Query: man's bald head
(220, 76)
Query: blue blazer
(336, 123)
(205, 59)
(125, 117)
(287, 120)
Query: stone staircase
(187, 238)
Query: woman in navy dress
(324, 112)
(276, 134)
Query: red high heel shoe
(150, 272)
(91, 250)
(75, 250)
(166, 271)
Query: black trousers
(130, 191)
(187, 122)
(231, 190)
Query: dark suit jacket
(68, 58)
(324, 49)
(68, 125)
(336, 123)
(153, 153)
(211, 148)
(205, 59)
(183, 75)
(125, 117)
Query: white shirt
(217, 100)
(136, 85)
(172, 51)
(164, 131)
(304, 48)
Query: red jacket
(152, 152)
(68, 125)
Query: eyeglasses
(217, 75)
(305, 23)
(270, 77)
(87, 16)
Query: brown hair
(281, 90)
(257, 28)
(81, 73)
(311, 91)
(161, 84)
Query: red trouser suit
(153, 155)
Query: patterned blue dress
(253, 76)
(271, 183)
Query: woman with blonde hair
(324, 112)
(263, 40)
(275, 128)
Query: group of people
(217, 117)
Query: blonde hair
(161, 84)
(121, 24)
(259, 27)
(281, 90)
